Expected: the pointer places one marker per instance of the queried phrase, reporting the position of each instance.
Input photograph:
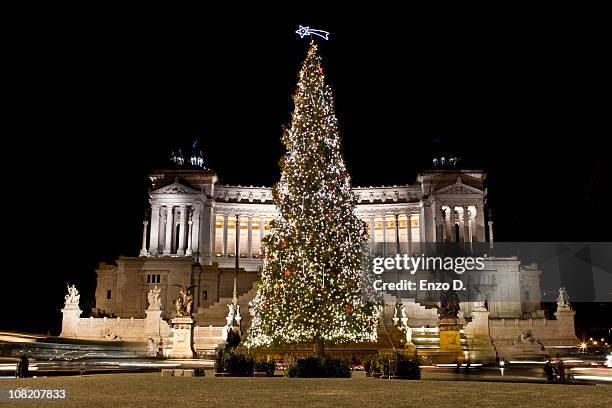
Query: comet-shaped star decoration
(304, 31)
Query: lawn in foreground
(151, 390)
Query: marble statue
(152, 348)
(154, 298)
(408, 335)
(184, 302)
(73, 296)
(449, 305)
(230, 315)
(526, 339)
(563, 300)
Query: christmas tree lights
(312, 287)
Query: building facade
(197, 226)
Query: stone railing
(210, 331)
(387, 194)
(239, 194)
(107, 321)
(522, 322)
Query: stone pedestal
(566, 330)
(70, 320)
(450, 349)
(480, 344)
(182, 338)
(450, 338)
(153, 323)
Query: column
(466, 224)
(480, 223)
(409, 231)
(154, 230)
(163, 215)
(181, 238)
(397, 238)
(262, 232)
(237, 249)
(491, 242)
(421, 229)
(460, 223)
(212, 229)
(250, 236)
(225, 219)
(447, 224)
(169, 224)
(473, 226)
(444, 227)
(426, 221)
(433, 220)
(175, 214)
(467, 238)
(451, 220)
(439, 221)
(372, 233)
(196, 230)
(384, 234)
(143, 250)
(189, 252)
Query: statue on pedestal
(449, 305)
(563, 300)
(72, 298)
(154, 298)
(184, 302)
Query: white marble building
(190, 239)
(192, 215)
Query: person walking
(549, 372)
(23, 367)
(561, 371)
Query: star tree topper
(304, 31)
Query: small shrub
(406, 367)
(234, 363)
(319, 367)
(399, 363)
(267, 367)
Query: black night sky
(95, 103)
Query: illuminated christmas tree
(312, 285)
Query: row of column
(163, 236)
(249, 221)
(396, 236)
(470, 222)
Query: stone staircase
(215, 314)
